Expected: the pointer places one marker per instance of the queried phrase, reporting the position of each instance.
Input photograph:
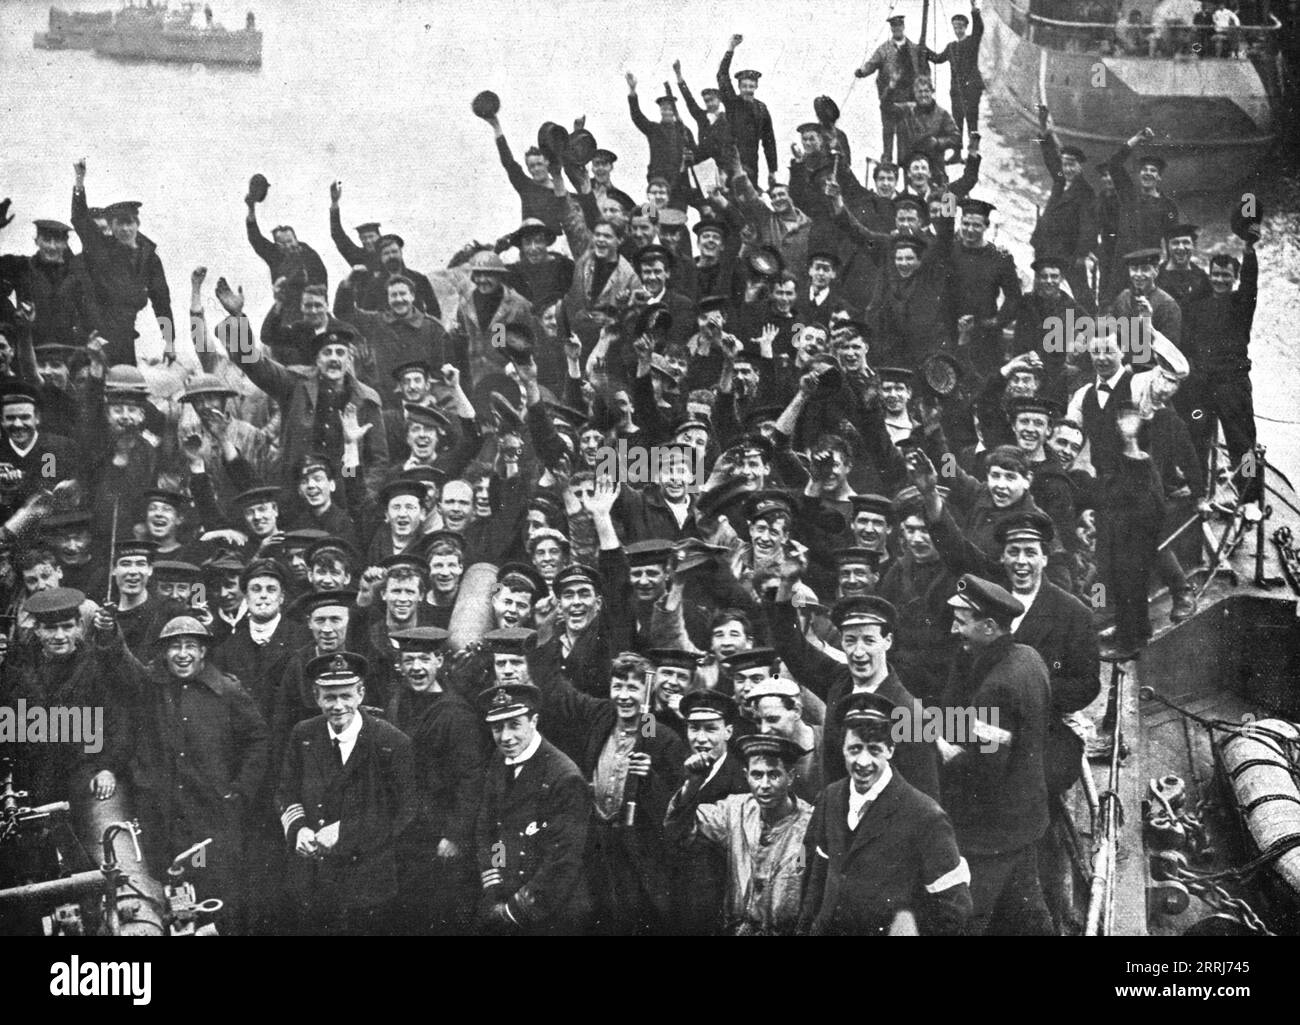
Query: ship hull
(237, 48)
(73, 30)
(1215, 120)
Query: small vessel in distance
(154, 32)
(75, 30)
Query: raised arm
(262, 246)
(352, 253)
(634, 107)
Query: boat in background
(155, 32)
(73, 30)
(1215, 104)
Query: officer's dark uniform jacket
(372, 797)
(530, 837)
(901, 857)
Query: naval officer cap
(1027, 526)
(864, 709)
(519, 576)
(754, 658)
(856, 556)
(340, 669)
(53, 229)
(507, 700)
(652, 552)
(1139, 257)
(864, 610)
(577, 573)
(707, 706)
(263, 568)
(986, 599)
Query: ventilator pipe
(472, 616)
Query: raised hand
(677, 68)
(921, 472)
(451, 375)
(6, 218)
(372, 579)
(197, 276)
(736, 40)
(573, 349)
(353, 430)
(336, 192)
(601, 500)
(631, 82)
(766, 338)
(79, 169)
(233, 302)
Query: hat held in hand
(258, 187)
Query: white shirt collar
(261, 632)
(36, 436)
(528, 752)
(234, 620)
(348, 738)
(858, 802)
(1027, 600)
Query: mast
(919, 63)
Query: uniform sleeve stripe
(959, 875)
(291, 814)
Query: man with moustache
(882, 855)
(435, 858)
(313, 403)
(761, 833)
(531, 830)
(199, 765)
(346, 796)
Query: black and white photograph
(651, 468)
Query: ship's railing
(1139, 39)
